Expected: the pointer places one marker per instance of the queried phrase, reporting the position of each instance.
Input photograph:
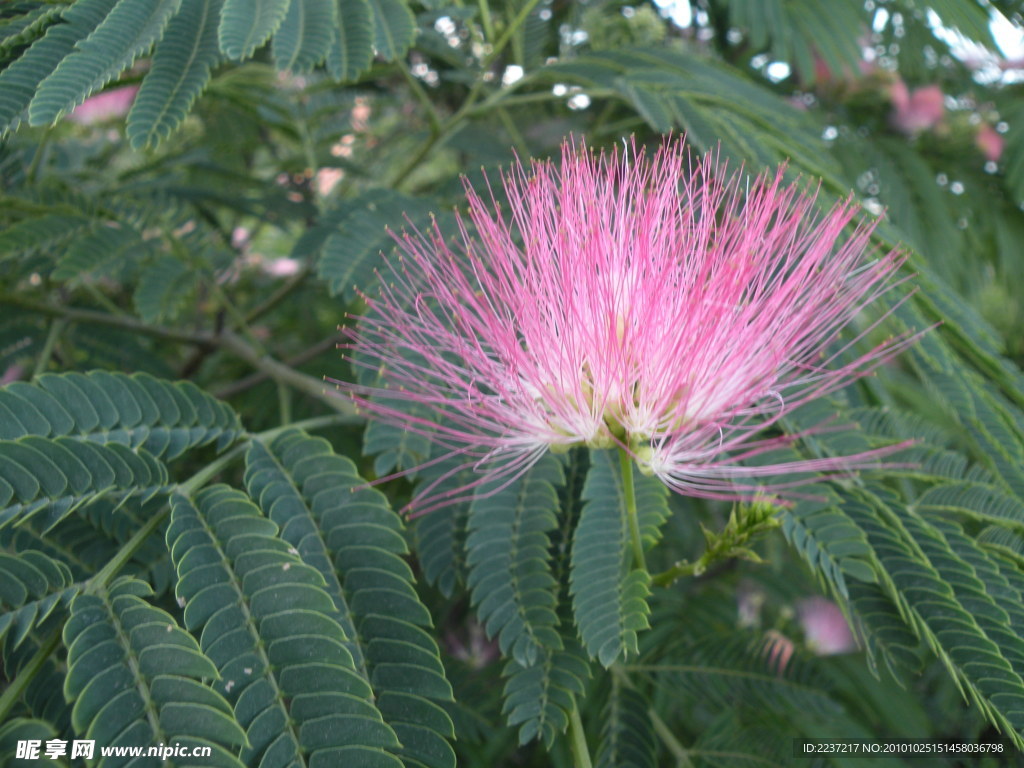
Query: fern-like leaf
(510, 577)
(139, 411)
(828, 540)
(305, 35)
(246, 24)
(441, 535)
(540, 697)
(270, 628)
(180, 71)
(128, 30)
(22, 30)
(20, 82)
(394, 27)
(343, 528)
(351, 50)
(609, 597)
(47, 479)
(350, 239)
(32, 587)
(164, 289)
(134, 676)
(101, 250)
(938, 597)
(627, 736)
(42, 233)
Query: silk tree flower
(654, 303)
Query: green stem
(485, 19)
(282, 374)
(421, 97)
(282, 293)
(12, 693)
(578, 739)
(127, 551)
(626, 463)
(513, 132)
(677, 571)
(36, 164)
(444, 130)
(308, 425)
(56, 328)
(284, 403)
(672, 744)
(250, 381)
(103, 318)
(228, 342)
(510, 30)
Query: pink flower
(990, 142)
(108, 105)
(918, 110)
(825, 627)
(655, 303)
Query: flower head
(654, 303)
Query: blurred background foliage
(194, 189)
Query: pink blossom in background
(326, 179)
(240, 238)
(282, 267)
(656, 303)
(109, 105)
(825, 627)
(918, 110)
(778, 650)
(990, 142)
(13, 373)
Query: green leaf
(20, 81)
(801, 31)
(21, 729)
(351, 49)
(41, 234)
(945, 605)
(270, 628)
(24, 29)
(715, 105)
(349, 239)
(627, 736)
(164, 289)
(179, 73)
(128, 30)
(828, 540)
(507, 551)
(394, 27)
(441, 535)
(349, 534)
(103, 249)
(46, 479)
(133, 676)
(609, 597)
(305, 35)
(32, 586)
(162, 417)
(246, 24)
(540, 697)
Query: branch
(331, 342)
(227, 341)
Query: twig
(227, 341)
(252, 380)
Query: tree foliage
(198, 539)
